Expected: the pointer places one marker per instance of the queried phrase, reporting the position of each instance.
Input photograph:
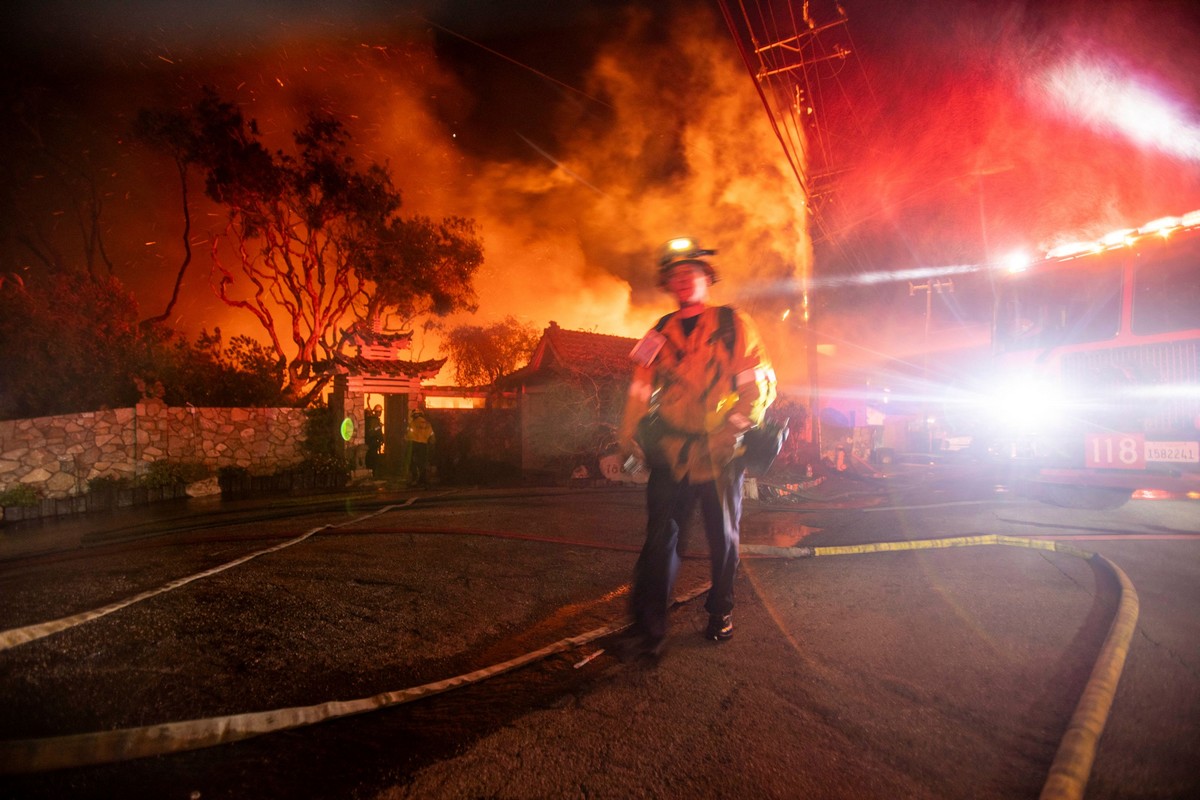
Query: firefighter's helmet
(683, 250)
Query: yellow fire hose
(1068, 773)
(1077, 751)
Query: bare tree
(312, 240)
(172, 133)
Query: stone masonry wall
(59, 455)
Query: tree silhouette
(482, 354)
(68, 340)
(72, 342)
(52, 189)
(172, 133)
(312, 239)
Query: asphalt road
(941, 673)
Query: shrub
(232, 473)
(326, 464)
(20, 495)
(321, 447)
(319, 432)
(164, 474)
(108, 484)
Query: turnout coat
(704, 389)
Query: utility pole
(784, 69)
(939, 285)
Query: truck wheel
(1092, 498)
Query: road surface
(947, 672)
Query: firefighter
(374, 437)
(420, 442)
(701, 379)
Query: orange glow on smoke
(569, 235)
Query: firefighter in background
(420, 446)
(701, 380)
(373, 431)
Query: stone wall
(58, 455)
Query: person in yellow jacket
(420, 444)
(701, 379)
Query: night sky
(582, 133)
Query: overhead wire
(741, 46)
(803, 92)
(790, 85)
(855, 126)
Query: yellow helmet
(683, 250)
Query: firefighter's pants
(670, 505)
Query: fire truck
(1097, 356)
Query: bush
(321, 447)
(232, 473)
(309, 475)
(20, 496)
(234, 480)
(319, 442)
(165, 474)
(325, 464)
(108, 484)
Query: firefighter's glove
(724, 443)
(629, 447)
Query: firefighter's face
(689, 284)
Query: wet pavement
(917, 674)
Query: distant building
(377, 373)
(570, 397)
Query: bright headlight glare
(1027, 405)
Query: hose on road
(1066, 781)
(1077, 750)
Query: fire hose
(1067, 777)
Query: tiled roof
(596, 355)
(395, 368)
(590, 353)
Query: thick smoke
(664, 136)
(951, 148)
(684, 147)
(1003, 131)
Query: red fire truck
(1097, 349)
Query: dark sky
(583, 132)
(933, 85)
